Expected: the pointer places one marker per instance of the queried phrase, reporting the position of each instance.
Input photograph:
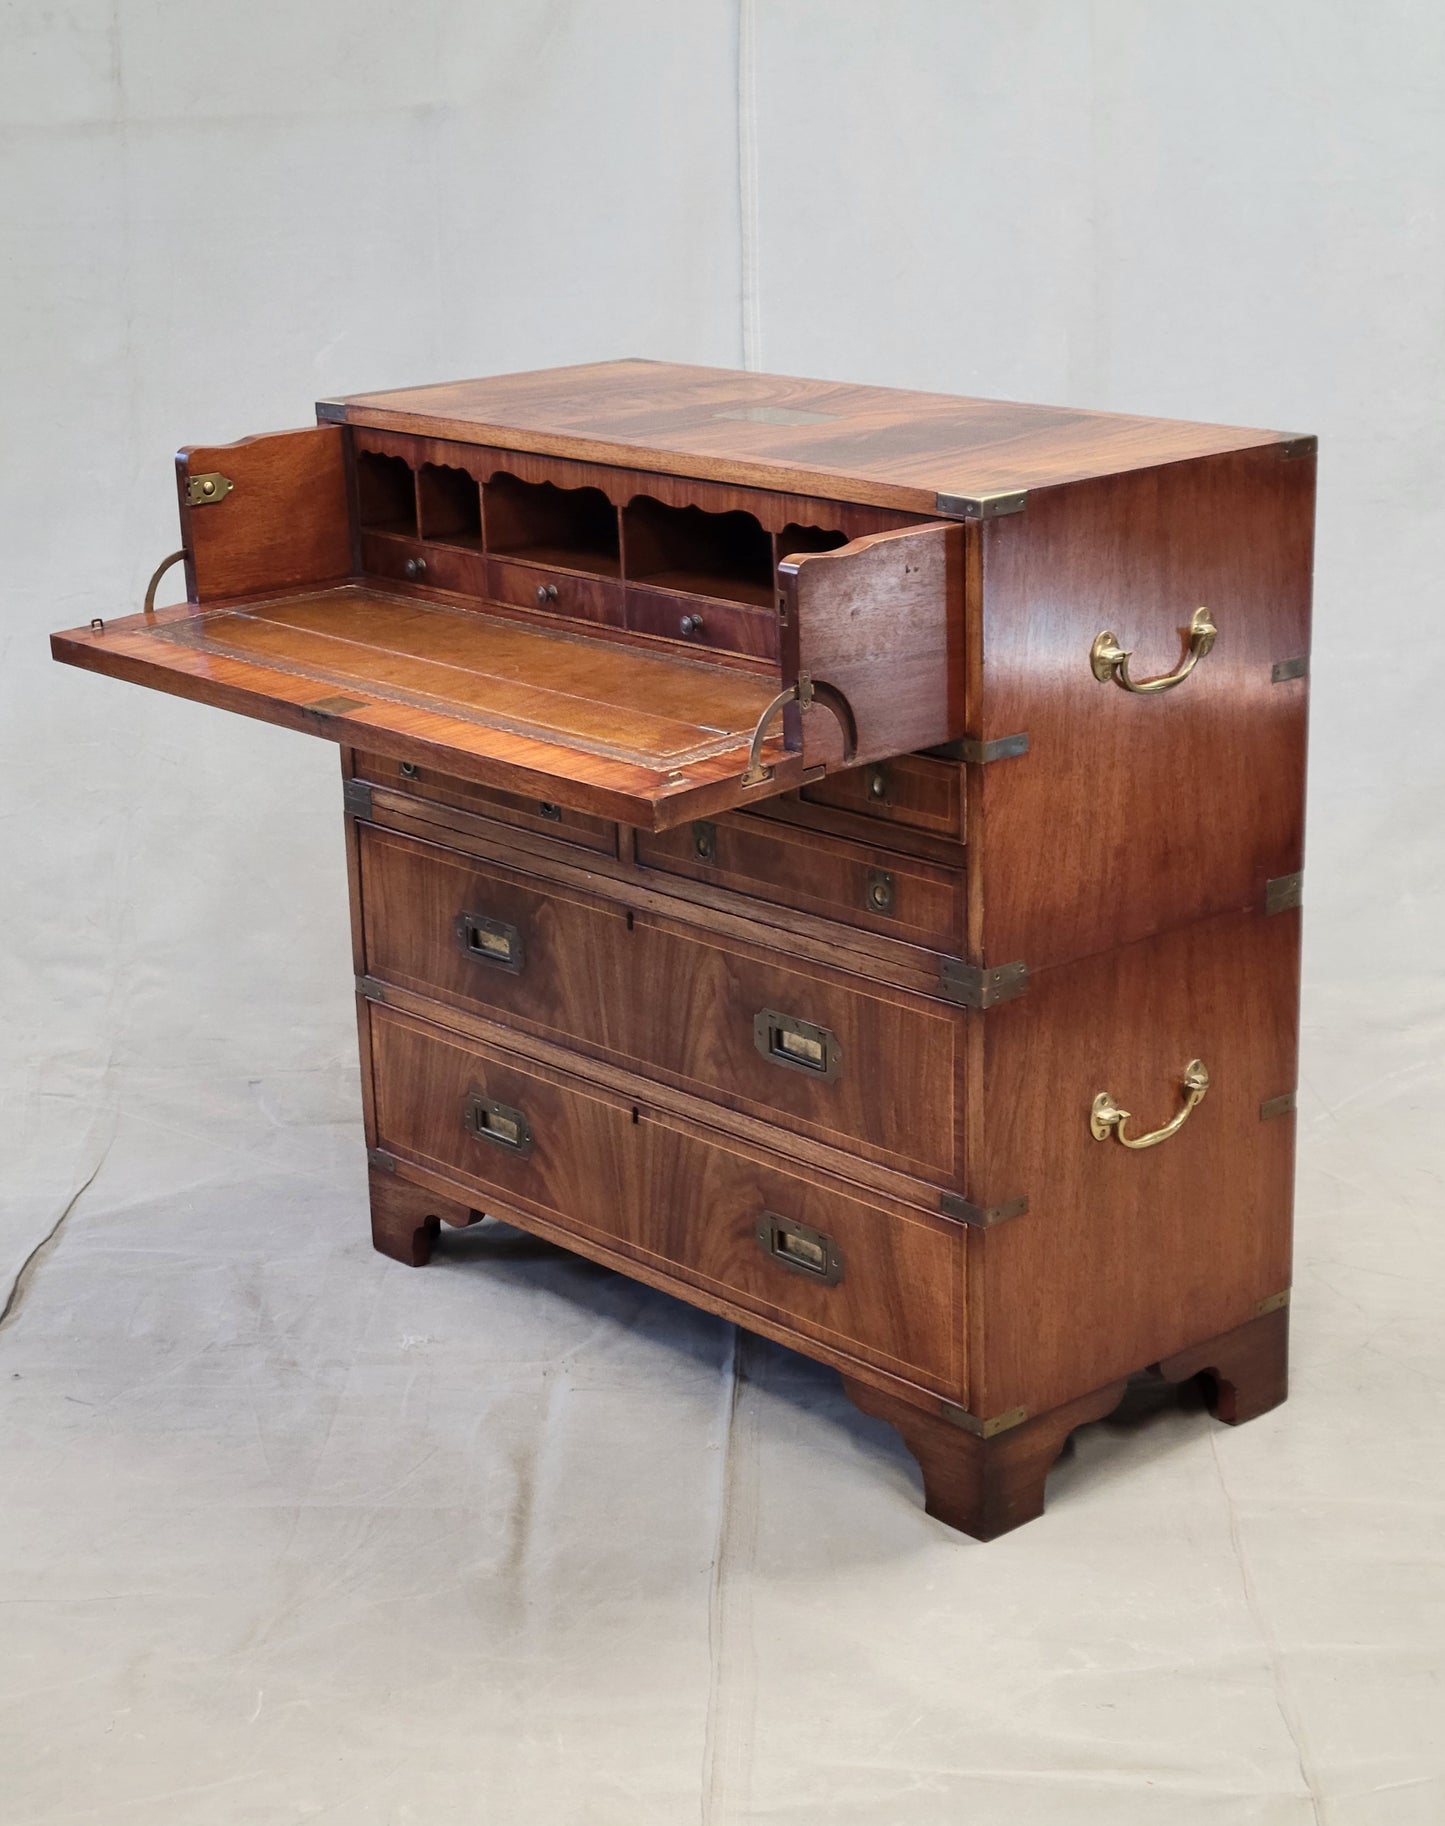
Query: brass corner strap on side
(356, 798)
(984, 1429)
(1282, 893)
(1001, 748)
(981, 1217)
(1109, 662)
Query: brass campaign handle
(1108, 660)
(1106, 1118)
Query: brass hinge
(1001, 748)
(1283, 670)
(370, 989)
(1298, 447)
(1282, 893)
(206, 490)
(378, 1157)
(980, 1215)
(972, 986)
(1273, 1303)
(1276, 1106)
(982, 507)
(356, 798)
(983, 1429)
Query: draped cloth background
(290, 1533)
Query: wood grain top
(872, 444)
(549, 714)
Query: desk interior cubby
(450, 504)
(724, 555)
(567, 528)
(385, 493)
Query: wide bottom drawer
(874, 1280)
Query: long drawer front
(870, 1280)
(855, 1065)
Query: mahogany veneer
(768, 879)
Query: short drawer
(703, 621)
(484, 801)
(855, 1064)
(439, 567)
(897, 896)
(916, 791)
(558, 592)
(874, 1282)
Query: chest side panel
(1130, 813)
(1126, 1255)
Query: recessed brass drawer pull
(795, 1246)
(1106, 1118)
(490, 941)
(498, 1123)
(1109, 660)
(786, 1040)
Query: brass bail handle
(1108, 660)
(1106, 1118)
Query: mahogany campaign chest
(828, 852)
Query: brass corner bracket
(356, 798)
(982, 507)
(973, 986)
(981, 1217)
(983, 1429)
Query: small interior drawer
(700, 622)
(543, 815)
(916, 791)
(437, 567)
(897, 896)
(556, 591)
(854, 1064)
(875, 1282)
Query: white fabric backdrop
(287, 1534)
